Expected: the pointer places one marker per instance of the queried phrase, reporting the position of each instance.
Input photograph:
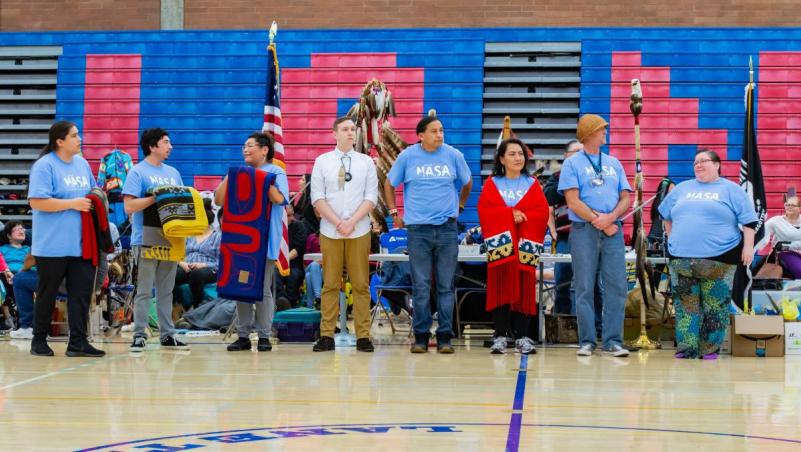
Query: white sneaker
(498, 345)
(525, 346)
(617, 351)
(585, 350)
(22, 333)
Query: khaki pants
(339, 254)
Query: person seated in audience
(25, 283)
(786, 228)
(313, 273)
(304, 209)
(288, 287)
(200, 265)
(13, 249)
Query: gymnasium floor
(293, 399)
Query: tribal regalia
(513, 250)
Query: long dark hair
(497, 167)
(265, 140)
(58, 131)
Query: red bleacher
(674, 121)
(111, 80)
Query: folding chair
(394, 241)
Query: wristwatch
(393, 212)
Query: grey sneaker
(138, 344)
(525, 346)
(498, 345)
(617, 351)
(585, 350)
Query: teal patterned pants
(701, 290)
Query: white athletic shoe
(585, 350)
(525, 346)
(22, 333)
(498, 345)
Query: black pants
(289, 286)
(197, 280)
(510, 324)
(80, 276)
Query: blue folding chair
(394, 241)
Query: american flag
(272, 124)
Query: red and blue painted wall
(207, 89)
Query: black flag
(751, 181)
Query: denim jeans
(565, 294)
(314, 283)
(595, 255)
(25, 284)
(433, 247)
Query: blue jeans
(565, 296)
(25, 284)
(595, 255)
(433, 247)
(314, 283)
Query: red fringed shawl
(513, 250)
(95, 232)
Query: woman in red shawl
(513, 213)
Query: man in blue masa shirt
(436, 183)
(597, 194)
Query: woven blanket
(245, 232)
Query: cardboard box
(758, 335)
(561, 329)
(792, 338)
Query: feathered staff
(643, 268)
(371, 116)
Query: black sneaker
(41, 349)
(138, 345)
(242, 344)
(264, 345)
(364, 345)
(173, 344)
(324, 344)
(85, 350)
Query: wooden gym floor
(293, 399)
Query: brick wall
(47, 15)
(205, 14)
(41, 15)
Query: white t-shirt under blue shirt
(706, 217)
(513, 190)
(142, 177)
(579, 171)
(58, 234)
(276, 213)
(431, 183)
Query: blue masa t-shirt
(578, 172)
(706, 217)
(276, 213)
(143, 177)
(58, 234)
(513, 190)
(431, 183)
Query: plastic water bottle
(546, 244)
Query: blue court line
(516, 420)
(454, 424)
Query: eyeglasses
(787, 204)
(701, 162)
(250, 145)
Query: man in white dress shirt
(344, 190)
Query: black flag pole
(752, 182)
